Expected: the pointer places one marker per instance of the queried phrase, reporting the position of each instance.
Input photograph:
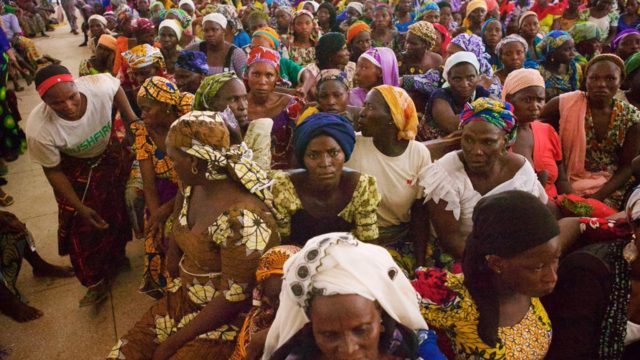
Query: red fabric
(555, 10)
(446, 37)
(547, 151)
(47, 84)
(574, 205)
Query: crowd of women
(349, 179)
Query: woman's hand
(164, 351)
(156, 222)
(256, 346)
(91, 216)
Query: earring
(630, 251)
(194, 170)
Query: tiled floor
(65, 331)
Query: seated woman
(632, 70)
(191, 67)
(102, 60)
(586, 37)
(169, 33)
(475, 45)
(161, 103)
(300, 43)
(512, 51)
(594, 308)
(386, 149)
(331, 53)
(269, 38)
(225, 225)
(418, 55)
(492, 33)
(536, 141)
(332, 93)
(441, 117)
(347, 287)
(626, 43)
(558, 66)
(455, 183)
(221, 55)
(599, 134)
(358, 39)
(510, 260)
(383, 33)
(529, 29)
(324, 197)
(376, 66)
(263, 102)
(253, 335)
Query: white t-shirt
(48, 135)
(396, 177)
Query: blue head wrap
(194, 61)
(336, 126)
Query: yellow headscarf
(403, 110)
(472, 5)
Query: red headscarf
(446, 38)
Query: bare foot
(50, 270)
(19, 311)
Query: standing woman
(169, 33)
(300, 43)
(386, 149)
(221, 55)
(72, 137)
(558, 66)
(358, 39)
(418, 56)
(601, 13)
(161, 103)
(600, 134)
(383, 33)
(102, 60)
(377, 66)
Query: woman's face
(341, 58)
(367, 75)
(445, 16)
(493, 34)
(346, 327)
(182, 163)
(323, 16)
(482, 145)
(187, 81)
(352, 15)
(271, 288)
(283, 19)
(302, 26)
(512, 56)
(381, 18)
(213, 33)
(143, 73)
(532, 273)
(463, 79)
(187, 8)
(324, 160)
(257, 24)
(604, 5)
(589, 48)
(361, 42)
(603, 81)
(437, 45)
(96, 28)
(260, 41)
(153, 113)
(145, 37)
(65, 100)
(530, 27)
(415, 47)
(477, 16)
(564, 54)
(368, 10)
(333, 97)
(262, 78)
(432, 17)
(233, 94)
(309, 8)
(375, 116)
(105, 56)
(527, 103)
(628, 46)
(168, 38)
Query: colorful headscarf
(385, 59)
(194, 61)
(615, 59)
(315, 32)
(159, 89)
(204, 135)
(494, 112)
(425, 31)
(521, 79)
(446, 37)
(632, 64)
(182, 16)
(332, 74)
(551, 42)
(328, 45)
(262, 54)
(322, 123)
(209, 88)
(427, 8)
(355, 29)
(270, 35)
(403, 110)
(513, 38)
(230, 13)
(143, 55)
(108, 41)
(173, 25)
(272, 262)
(621, 35)
(143, 25)
(474, 44)
(584, 31)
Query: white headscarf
(99, 18)
(457, 58)
(188, 2)
(216, 18)
(312, 3)
(173, 25)
(359, 7)
(339, 264)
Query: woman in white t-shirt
(71, 135)
(386, 150)
(455, 183)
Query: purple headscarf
(474, 44)
(385, 59)
(621, 35)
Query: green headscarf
(209, 88)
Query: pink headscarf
(385, 59)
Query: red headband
(56, 79)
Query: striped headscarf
(494, 112)
(265, 55)
(270, 35)
(403, 110)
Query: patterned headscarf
(494, 112)
(332, 74)
(182, 16)
(143, 25)
(204, 135)
(551, 42)
(143, 55)
(425, 31)
(315, 32)
(194, 61)
(355, 29)
(270, 35)
(511, 39)
(209, 88)
(164, 91)
(584, 31)
(403, 110)
(621, 35)
(474, 44)
(230, 13)
(632, 64)
(262, 54)
(427, 8)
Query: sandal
(95, 294)
(6, 200)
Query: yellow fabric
(306, 113)
(403, 110)
(472, 5)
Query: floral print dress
(447, 306)
(220, 262)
